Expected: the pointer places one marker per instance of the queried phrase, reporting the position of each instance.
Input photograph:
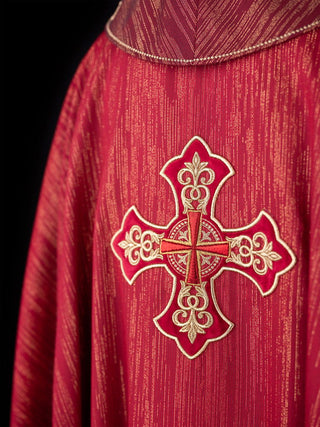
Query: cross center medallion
(195, 249)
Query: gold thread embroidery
(180, 237)
(193, 310)
(256, 252)
(196, 192)
(139, 245)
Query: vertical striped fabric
(88, 352)
(206, 31)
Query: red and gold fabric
(176, 189)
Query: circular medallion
(208, 263)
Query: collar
(194, 32)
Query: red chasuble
(173, 273)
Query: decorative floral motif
(139, 245)
(192, 308)
(195, 249)
(195, 177)
(256, 252)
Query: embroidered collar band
(194, 32)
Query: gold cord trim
(249, 49)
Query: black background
(44, 42)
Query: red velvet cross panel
(195, 249)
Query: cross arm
(258, 252)
(137, 245)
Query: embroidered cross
(195, 249)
